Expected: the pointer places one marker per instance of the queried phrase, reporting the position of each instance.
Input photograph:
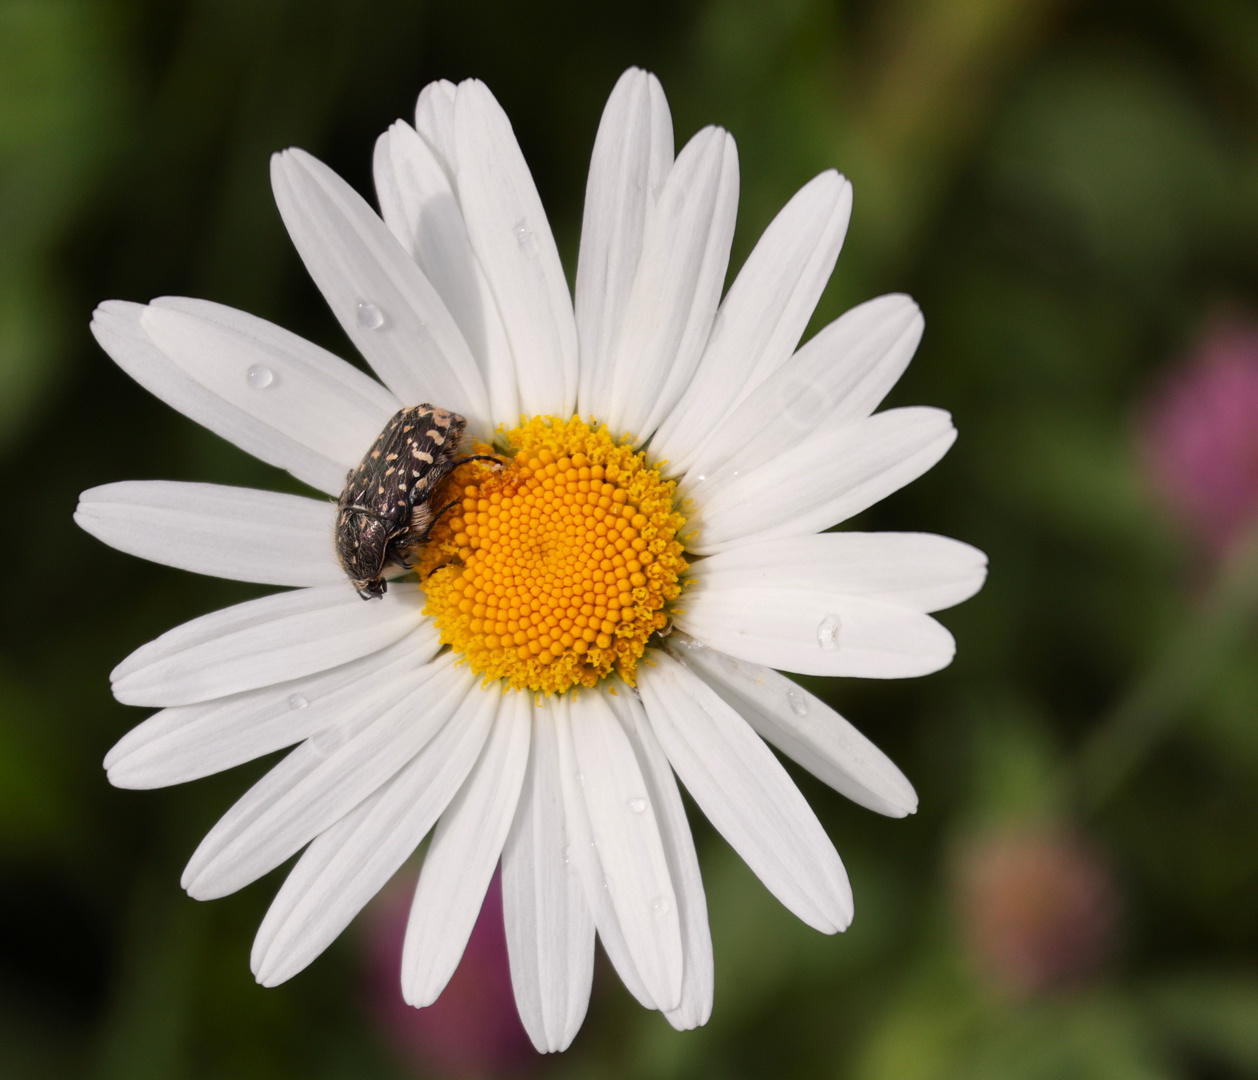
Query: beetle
(388, 502)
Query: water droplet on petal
(637, 806)
(828, 633)
(525, 238)
(259, 377)
(296, 701)
(804, 404)
(581, 779)
(370, 317)
(661, 906)
(798, 701)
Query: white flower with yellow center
(602, 610)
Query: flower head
(602, 608)
(1200, 437)
(1038, 908)
(563, 562)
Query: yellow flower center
(558, 566)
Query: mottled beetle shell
(387, 504)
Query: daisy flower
(604, 611)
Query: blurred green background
(1070, 190)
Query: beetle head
(371, 590)
(362, 541)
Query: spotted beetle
(388, 502)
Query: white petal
(421, 209)
(625, 872)
(315, 416)
(633, 153)
(434, 120)
(462, 855)
(376, 291)
(584, 857)
(550, 931)
(389, 195)
(190, 741)
(229, 532)
(803, 727)
(265, 641)
(817, 631)
(320, 861)
(310, 760)
(746, 794)
(916, 570)
(683, 863)
(840, 376)
(513, 241)
(353, 859)
(299, 389)
(323, 779)
(670, 309)
(826, 479)
(763, 316)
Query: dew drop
(296, 701)
(828, 633)
(259, 377)
(525, 238)
(567, 853)
(637, 806)
(798, 701)
(661, 906)
(370, 317)
(804, 403)
(581, 779)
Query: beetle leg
(436, 517)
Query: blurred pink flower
(1037, 908)
(1199, 437)
(473, 1029)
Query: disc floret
(560, 565)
